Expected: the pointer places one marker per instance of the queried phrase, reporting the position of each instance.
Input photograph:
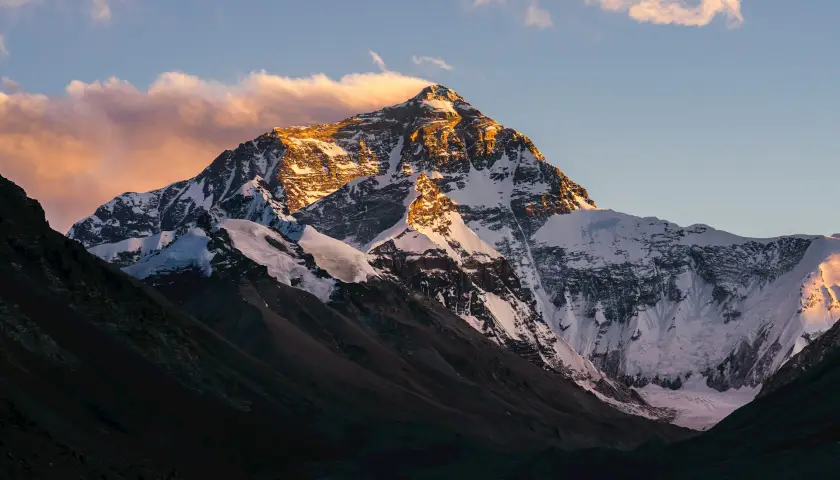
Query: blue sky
(727, 124)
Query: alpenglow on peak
(439, 92)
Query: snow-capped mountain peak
(455, 206)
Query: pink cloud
(676, 12)
(78, 150)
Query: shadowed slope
(101, 375)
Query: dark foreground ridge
(235, 376)
(103, 376)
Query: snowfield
(188, 251)
(698, 407)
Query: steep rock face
(453, 165)
(289, 168)
(277, 174)
(645, 298)
(469, 213)
(816, 293)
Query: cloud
(4, 52)
(676, 11)
(537, 17)
(78, 150)
(479, 3)
(437, 62)
(9, 86)
(377, 60)
(100, 10)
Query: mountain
(242, 376)
(102, 377)
(268, 180)
(805, 361)
(467, 212)
(791, 431)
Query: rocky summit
(436, 197)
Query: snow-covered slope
(312, 263)
(648, 300)
(267, 247)
(190, 250)
(698, 406)
(455, 206)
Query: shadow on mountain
(792, 432)
(101, 376)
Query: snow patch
(328, 148)
(439, 105)
(143, 246)
(463, 235)
(412, 241)
(189, 250)
(503, 312)
(613, 237)
(251, 240)
(336, 257)
(698, 406)
(482, 190)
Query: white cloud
(78, 150)
(100, 10)
(479, 3)
(4, 52)
(677, 12)
(437, 62)
(377, 60)
(537, 17)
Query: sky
(721, 112)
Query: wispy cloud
(537, 17)
(377, 60)
(437, 62)
(479, 3)
(676, 11)
(4, 52)
(77, 150)
(100, 10)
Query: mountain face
(791, 431)
(439, 198)
(243, 373)
(825, 346)
(101, 377)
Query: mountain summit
(437, 197)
